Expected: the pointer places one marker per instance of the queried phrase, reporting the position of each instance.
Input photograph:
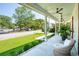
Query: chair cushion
(67, 42)
(58, 45)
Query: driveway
(17, 34)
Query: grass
(6, 45)
(50, 36)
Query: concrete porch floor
(43, 49)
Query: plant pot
(63, 38)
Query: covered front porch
(60, 13)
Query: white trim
(39, 9)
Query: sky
(9, 8)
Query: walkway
(43, 49)
(17, 34)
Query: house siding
(74, 51)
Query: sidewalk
(17, 34)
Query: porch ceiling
(49, 9)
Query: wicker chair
(65, 50)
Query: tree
(40, 23)
(23, 17)
(5, 21)
(37, 24)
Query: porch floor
(43, 49)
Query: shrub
(20, 49)
(35, 43)
(28, 46)
(52, 29)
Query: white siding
(75, 15)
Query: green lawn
(15, 42)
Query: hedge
(18, 50)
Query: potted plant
(65, 31)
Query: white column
(45, 28)
(59, 23)
(55, 28)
